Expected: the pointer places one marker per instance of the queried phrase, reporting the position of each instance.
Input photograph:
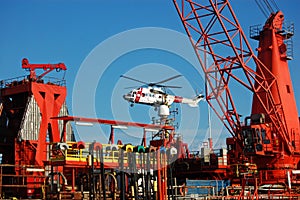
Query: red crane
(46, 67)
(271, 133)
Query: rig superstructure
(40, 158)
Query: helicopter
(153, 94)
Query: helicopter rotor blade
(133, 79)
(158, 84)
(168, 79)
(168, 86)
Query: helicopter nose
(127, 97)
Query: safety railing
(30, 179)
(112, 154)
(21, 80)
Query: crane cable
(261, 8)
(267, 6)
(275, 5)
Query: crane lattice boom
(214, 30)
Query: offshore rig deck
(40, 158)
(157, 169)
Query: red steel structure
(67, 119)
(27, 104)
(46, 67)
(270, 136)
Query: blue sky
(70, 31)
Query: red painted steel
(272, 136)
(110, 122)
(214, 31)
(30, 98)
(46, 67)
(272, 52)
(50, 99)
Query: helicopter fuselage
(155, 96)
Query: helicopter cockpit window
(133, 93)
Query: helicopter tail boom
(191, 102)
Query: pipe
(171, 174)
(159, 189)
(73, 179)
(289, 180)
(142, 173)
(155, 173)
(147, 179)
(102, 173)
(132, 166)
(122, 188)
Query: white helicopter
(154, 95)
